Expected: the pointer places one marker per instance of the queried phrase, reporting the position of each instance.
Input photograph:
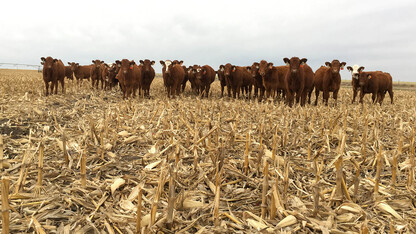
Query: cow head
(97, 63)
(228, 69)
(335, 66)
(125, 65)
(355, 71)
(294, 64)
(364, 78)
(48, 62)
(199, 72)
(147, 64)
(167, 65)
(177, 62)
(264, 67)
(254, 69)
(74, 66)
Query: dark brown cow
(327, 79)
(223, 82)
(258, 84)
(148, 74)
(69, 73)
(185, 79)
(105, 74)
(309, 81)
(191, 77)
(204, 76)
(129, 77)
(376, 83)
(238, 77)
(355, 72)
(173, 75)
(80, 72)
(95, 73)
(295, 81)
(53, 71)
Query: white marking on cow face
(222, 69)
(355, 73)
(198, 70)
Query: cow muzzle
(125, 72)
(294, 71)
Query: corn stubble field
(90, 162)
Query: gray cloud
(378, 35)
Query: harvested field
(203, 165)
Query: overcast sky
(380, 35)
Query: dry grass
(199, 164)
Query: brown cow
(69, 73)
(327, 79)
(95, 73)
(80, 72)
(204, 76)
(309, 80)
(295, 81)
(148, 74)
(185, 79)
(53, 71)
(258, 84)
(105, 74)
(223, 82)
(377, 83)
(129, 77)
(173, 75)
(355, 72)
(191, 77)
(238, 77)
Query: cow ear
(101, 62)
(77, 64)
(248, 68)
(162, 62)
(222, 67)
(343, 65)
(233, 68)
(141, 62)
(270, 65)
(204, 71)
(153, 62)
(69, 63)
(132, 62)
(55, 60)
(369, 76)
(93, 61)
(286, 60)
(328, 64)
(180, 62)
(303, 61)
(349, 68)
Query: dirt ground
(200, 163)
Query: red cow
(148, 74)
(185, 79)
(238, 77)
(224, 82)
(204, 76)
(129, 77)
(53, 71)
(80, 72)
(355, 72)
(69, 73)
(191, 77)
(327, 79)
(95, 73)
(376, 83)
(173, 75)
(105, 74)
(309, 80)
(295, 81)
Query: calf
(173, 75)
(69, 73)
(148, 74)
(295, 81)
(80, 72)
(238, 78)
(355, 72)
(95, 73)
(129, 77)
(376, 83)
(328, 79)
(53, 71)
(204, 76)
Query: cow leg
(62, 85)
(316, 96)
(335, 96)
(222, 91)
(354, 94)
(326, 97)
(249, 91)
(262, 90)
(207, 89)
(56, 86)
(391, 95)
(361, 96)
(289, 97)
(373, 97)
(47, 88)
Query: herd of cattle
(293, 80)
